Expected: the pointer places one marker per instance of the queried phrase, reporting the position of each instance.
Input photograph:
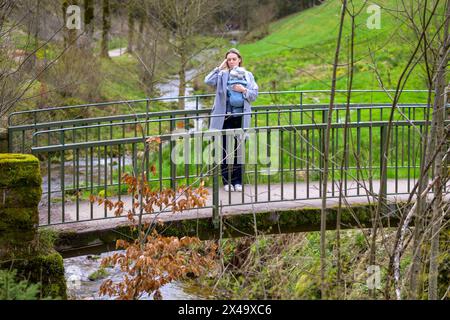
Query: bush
(75, 75)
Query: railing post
(147, 110)
(215, 203)
(324, 116)
(322, 132)
(216, 154)
(173, 168)
(197, 116)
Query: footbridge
(86, 149)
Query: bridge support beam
(86, 240)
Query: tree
(70, 35)
(429, 31)
(326, 154)
(89, 18)
(132, 13)
(106, 27)
(440, 172)
(183, 20)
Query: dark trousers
(235, 169)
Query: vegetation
(297, 53)
(288, 267)
(11, 289)
(98, 274)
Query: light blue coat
(218, 79)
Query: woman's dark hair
(235, 51)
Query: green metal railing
(73, 169)
(88, 155)
(128, 115)
(297, 173)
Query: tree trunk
(130, 29)
(106, 26)
(343, 161)
(37, 21)
(72, 38)
(326, 148)
(89, 18)
(439, 112)
(64, 14)
(182, 75)
(140, 42)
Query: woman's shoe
(228, 187)
(238, 187)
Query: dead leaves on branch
(149, 200)
(153, 143)
(156, 140)
(153, 260)
(160, 261)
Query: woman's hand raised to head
(223, 65)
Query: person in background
(235, 90)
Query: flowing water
(79, 287)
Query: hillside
(296, 55)
(299, 51)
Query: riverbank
(288, 267)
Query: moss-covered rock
(15, 241)
(21, 246)
(3, 140)
(98, 274)
(19, 170)
(20, 197)
(19, 218)
(46, 269)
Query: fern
(11, 289)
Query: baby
(236, 99)
(237, 73)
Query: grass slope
(299, 51)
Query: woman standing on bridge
(235, 89)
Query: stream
(79, 269)
(170, 89)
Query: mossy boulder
(35, 261)
(14, 241)
(19, 170)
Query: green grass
(299, 52)
(115, 42)
(121, 80)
